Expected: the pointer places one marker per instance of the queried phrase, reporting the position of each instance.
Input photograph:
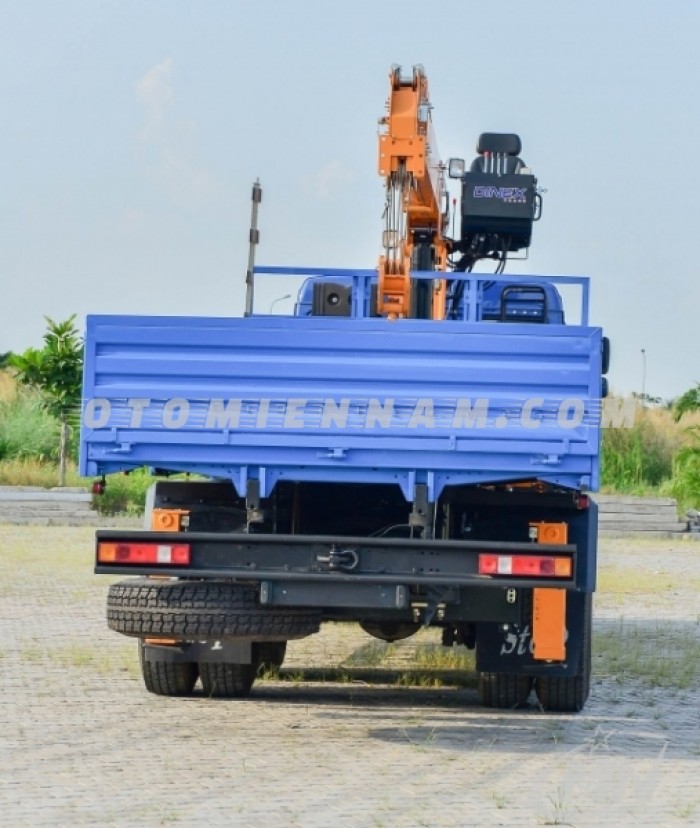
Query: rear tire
(269, 655)
(168, 679)
(504, 690)
(563, 694)
(227, 681)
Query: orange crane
(415, 215)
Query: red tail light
(174, 554)
(533, 566)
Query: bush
(685, 486)
(124, 493)
(634, 459)
(26, 428)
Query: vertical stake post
(254, 239)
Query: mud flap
(509, 648)
(549, 624)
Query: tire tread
(189, 610)
(166, 679)
(227, 681)
(504, 690)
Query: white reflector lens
(164, 554)
(505, 565)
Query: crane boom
(414, 176)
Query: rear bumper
(286, 562)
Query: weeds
(660, 655)
(427, 738)
(79, 656)
(685, 486)
(27, 430)
(499, 800)
(616, 582)
(656, 456)
(558, 801)
(437, 657)
(633, 459)
(125, 493)
(85, 656)
(688, 810)
(31, 471)
(372, 654)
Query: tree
(687, 402)
(57, 371)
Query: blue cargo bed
(273, 398)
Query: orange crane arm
(415, 187)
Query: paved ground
(81, 742)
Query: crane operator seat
(497, 154)
(499, 197)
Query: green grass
(620, 583)
(77, 655)
(372, 654)
(414, 662)
(657, 457)
(27, 430)
(659, 655)
(31, 471)
(124, 493)
(616, 581)
(685, 484)
(437, 657)
(639, 457)
(122, 659)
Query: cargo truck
(412, 447)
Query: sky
(131, 133)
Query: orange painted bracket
(549, 624)
(551, 533)
(169, 520)
(411, 150)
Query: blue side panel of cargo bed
(274, 398)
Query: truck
(414, 446)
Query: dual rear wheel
(219, 680)
(556, 694)
(205, 611)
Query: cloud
(155, 92)
(329, 181)
(168, 143)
